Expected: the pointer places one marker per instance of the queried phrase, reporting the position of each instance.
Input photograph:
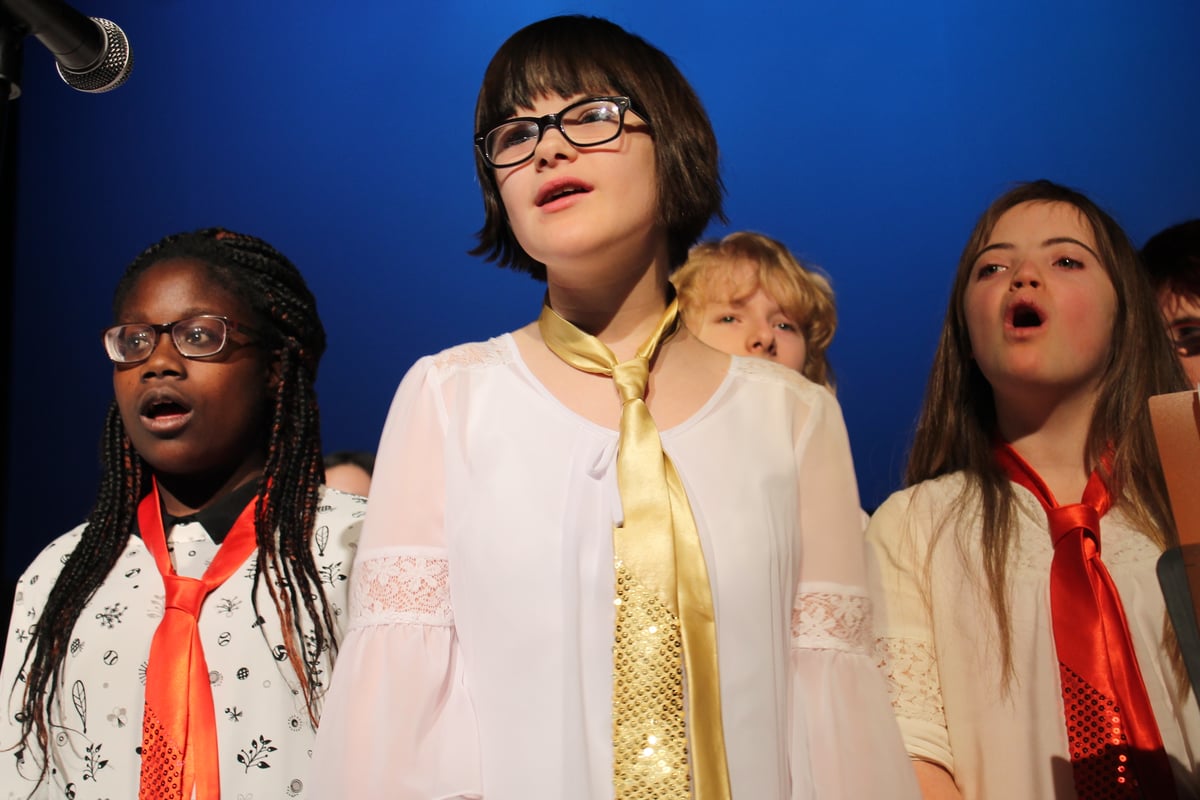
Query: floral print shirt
(264, 734)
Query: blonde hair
(715, 271)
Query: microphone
(92, 54)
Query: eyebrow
(1049, 242)
(188, 313)
(731, 302)
(1185, 320)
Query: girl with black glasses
(178, 643)
(603, 558)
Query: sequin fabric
(1109, 719)
(179, 726)
(1099, 749)
(665, 616)
(650, 755)
(162, 763)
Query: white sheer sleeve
(843, 733)
(398, 722)
(904, 632)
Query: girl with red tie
(1020, 620)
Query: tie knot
(630, 378)
(185, 594)
(1065, 519)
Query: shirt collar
(218, 518)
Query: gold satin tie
(665, 628)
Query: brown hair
(958, 418)
(572, 55)
(1172, 258)
(714, 272)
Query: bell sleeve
(845, 741)
(398, 722)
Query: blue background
(867, 134)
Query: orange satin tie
(179, 729)
(1116, 748)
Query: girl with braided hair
(177, 644)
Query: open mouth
(1025, 315)
(164, 415)
(558, 190)
(163, 408)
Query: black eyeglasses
(1186, 339)
(584, 123)
(194, 337)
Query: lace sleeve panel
(401, 586)
(910, 668)
(829, 617)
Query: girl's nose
(553, 146)
(165, 359)
(761, 341)
(1025, 273)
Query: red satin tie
(179, 730)
(1116, 749)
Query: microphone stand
(12, 37)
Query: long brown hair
(957, 425)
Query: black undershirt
(218, 518)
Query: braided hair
(286, 507)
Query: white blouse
(264, 736)
(937, 636)
(479, 657)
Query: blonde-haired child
(748, 295)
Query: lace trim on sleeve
(409, 587)
(472, 354)
(825, 620)
(911, 671)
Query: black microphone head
(111, 70)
